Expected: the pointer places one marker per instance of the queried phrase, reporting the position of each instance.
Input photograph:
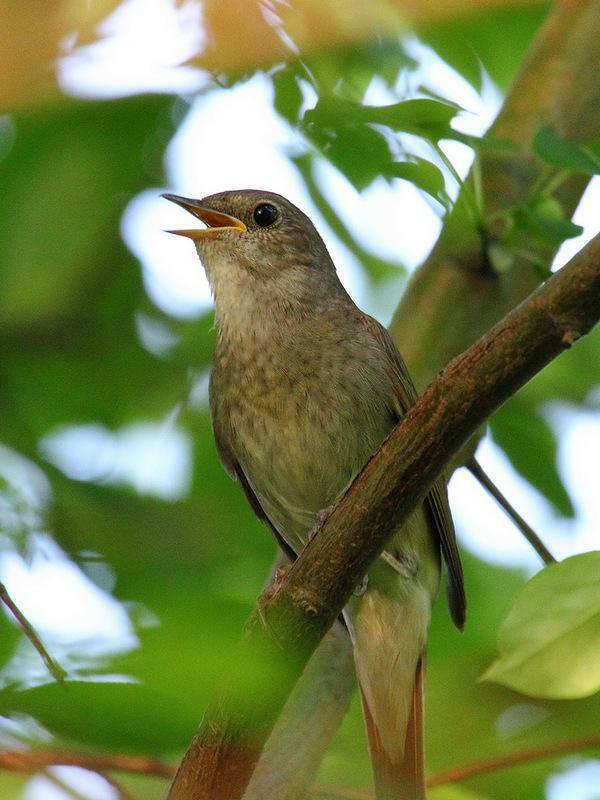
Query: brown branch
(54, 668)
(462, 773)
(310, 719)
(281, 637)
(34, 760)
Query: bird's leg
(275, 584)
(406, 566)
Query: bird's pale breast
(303, 424)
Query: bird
(304, 389)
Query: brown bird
(304, 389)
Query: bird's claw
(320, 519)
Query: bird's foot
(277, 581)
(269, 593)
(320, 519)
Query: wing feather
(236, 471)
(437, 499)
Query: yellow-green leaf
(549, 643)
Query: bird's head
(255, 232)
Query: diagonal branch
(286, 630)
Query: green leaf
(530, 444)
(484, 143)
(9, 635)
(549, 644)
(424, 175)
(346, 147)
(288, 95)
(560, 153)
(70, 173)
(544, 223)
(428, 118)
(493, 40)
(422, 117)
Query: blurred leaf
(549, 643)
(152, 723)
(428, 118)
(548, 226)
(453, 793)
(242, 37)
(12, 785)
(484, 143)
(530, 444)
(470, 41)
(9, 635)
(567, 155)
(31, 41)
(571, 378)
(70, 173)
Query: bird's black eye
(265, 214)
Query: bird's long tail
(389, 642)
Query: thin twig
(34, 760)
(466, 771)
(64, 786)
(55, 669)
(461, 773)
(534, 540)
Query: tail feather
(401, 777)
(389, 636)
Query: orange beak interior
(216, 221)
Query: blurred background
(121, 538)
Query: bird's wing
(437, 499)
(236, 471)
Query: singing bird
(304, 389)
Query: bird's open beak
(216, 221)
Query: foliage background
(120, 534)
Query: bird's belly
(300, 459)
